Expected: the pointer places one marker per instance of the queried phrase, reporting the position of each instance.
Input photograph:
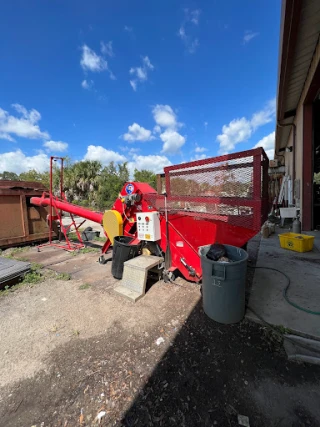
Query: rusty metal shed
(21, 222)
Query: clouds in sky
(97, 152)
(248, 36)
(200, 149)
(16, 161)
(267, 143)
(87, 84)
(140, 74)
(167, 123)
(166, 128)
(23, 126)
(241, 129)
(191, 19)
(107, 49)
(55, 146)
(137, 133)
(90, 61)
(155, 163)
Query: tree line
(87, 182)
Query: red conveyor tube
(69, 207)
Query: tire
(102, 259)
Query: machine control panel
(148, 225)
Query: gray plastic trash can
(223, 285)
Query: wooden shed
(21, 222)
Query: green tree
(9, 175)
(34, 175)
(111, 181)
(146, 176)
(81, 180)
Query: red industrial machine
(222, 199)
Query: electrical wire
(285, 292)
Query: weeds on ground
(75, 332)
(31, 278)
(84, 286)
(273, 335)
(100, 238)
(73, 237)
(11, 252)
(84, 251)
(63, 276)
(34, 276)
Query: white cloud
(87, 84)
(140, 74)
(133, 84)
(240, 130)
(205, 124)
(6, 136)
(191, 19)
(152, 162)
(90, 61)
(200, 149)
(199, 157)
(25, 126)
(266, 115)
(96, 152)
(172, 141)
(107, 49)
(18, 162)
(267, 143)
(56, 146)
(137, 133)
(249, 35)
(164, 116)
(194, 16)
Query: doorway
(316, 165)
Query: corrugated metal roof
(303, 34)
(11, 269)
(307, 38)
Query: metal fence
(232, 188)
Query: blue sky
(139, 81)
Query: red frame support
(54, 201)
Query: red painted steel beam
(69, 207)
(210, 160)
(211, 169)
(232, 201)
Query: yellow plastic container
(296, 242)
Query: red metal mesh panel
(231, 188)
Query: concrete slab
(128, 293)
(266, 297)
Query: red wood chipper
(221, 199)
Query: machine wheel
(168, 277)
(165, 278)
(102, 259)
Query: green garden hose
(285, 292)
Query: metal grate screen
(232, 188)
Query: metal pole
(168, 252)
(50, 218)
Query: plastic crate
(296, 242)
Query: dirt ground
(71, 350)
